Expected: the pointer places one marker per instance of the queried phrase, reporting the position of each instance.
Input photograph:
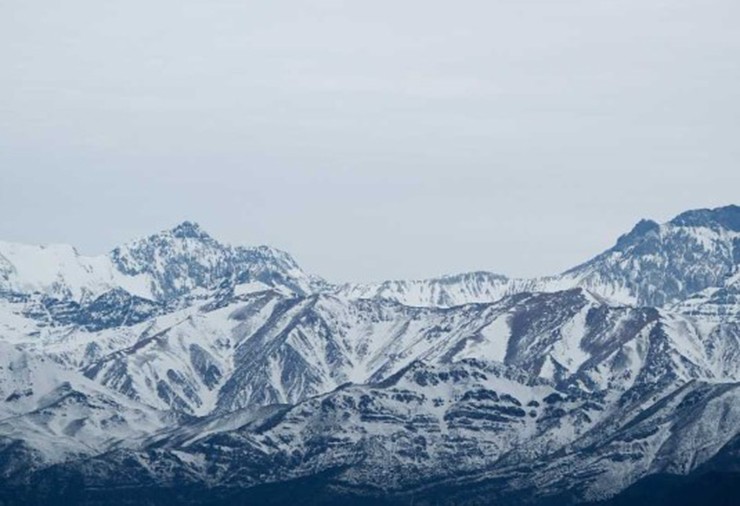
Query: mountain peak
(726, 217)
(189, 229)
(642, 228)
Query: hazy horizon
(371, 142)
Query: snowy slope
(60, 271)
(266, 347)
(59, 414)
(469, 432)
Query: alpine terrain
(180, 370)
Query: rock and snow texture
(164, 266)
(177, 360)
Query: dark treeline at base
(710, 489)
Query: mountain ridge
(209, 263)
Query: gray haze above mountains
(371, 141)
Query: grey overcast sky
(372, 140)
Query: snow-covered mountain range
(180, 369)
